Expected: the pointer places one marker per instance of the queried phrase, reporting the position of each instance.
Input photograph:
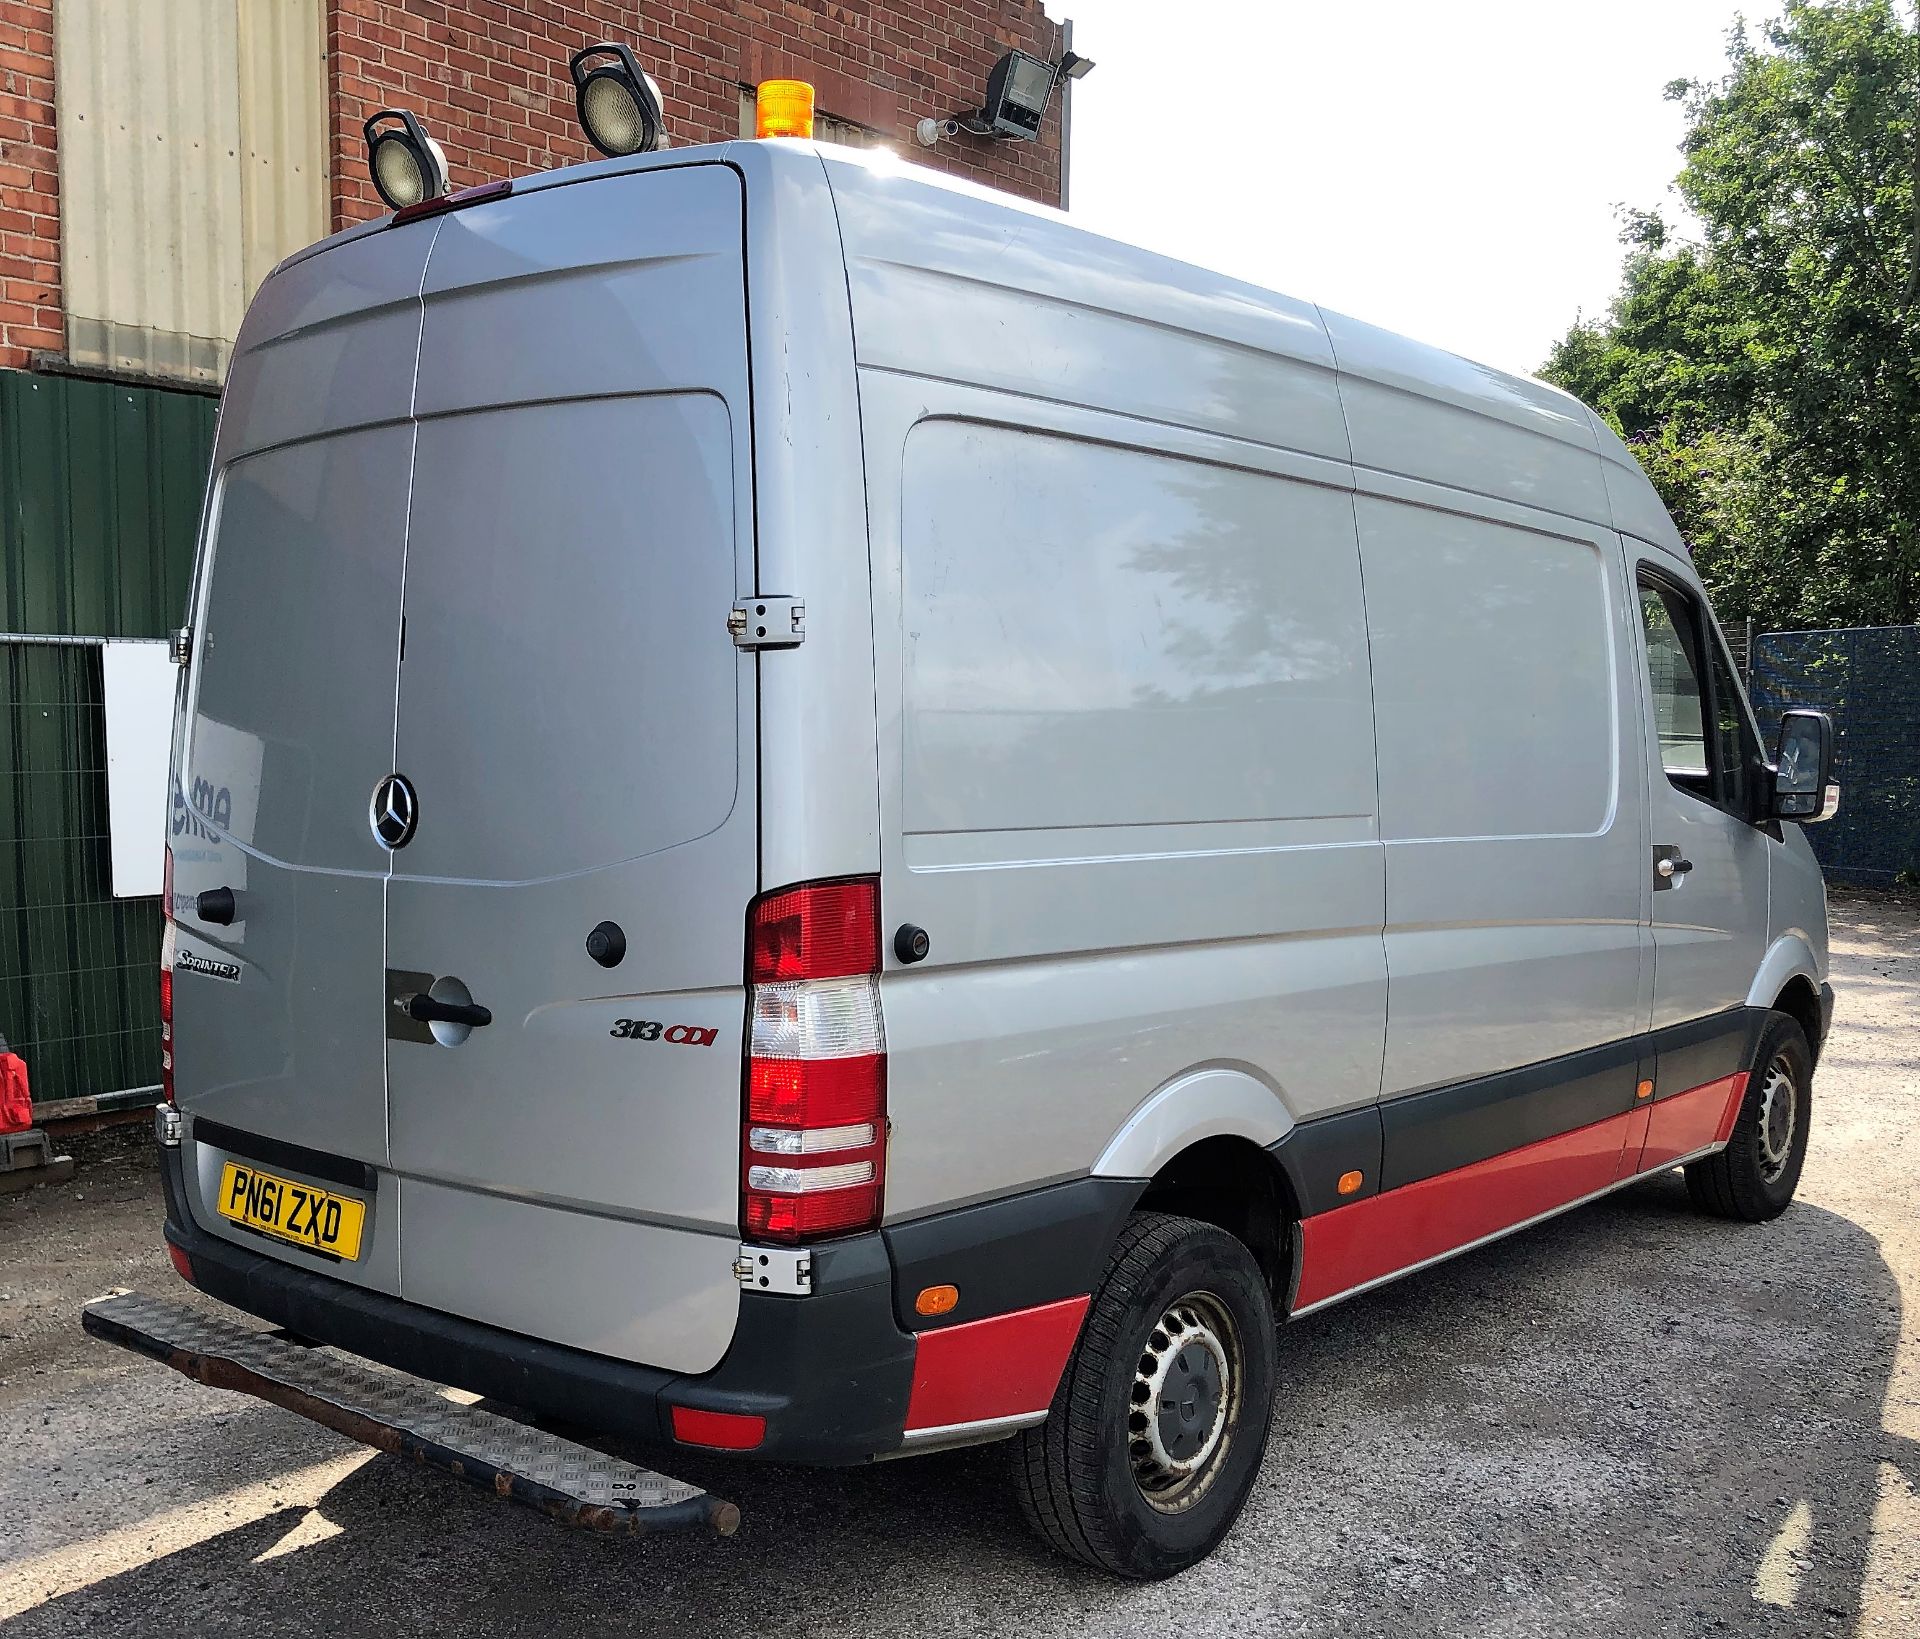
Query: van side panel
(1420, 412)
(1510, 803)
(1126, 763)
(1133, 779)
(958, 286)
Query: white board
(139, 688)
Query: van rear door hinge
(787, 1270)
(768, 623)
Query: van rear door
(577, 727)
(288, 728)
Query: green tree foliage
(1768, 375)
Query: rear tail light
(814, 1142)
(167, 937)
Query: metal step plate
(392, 1412)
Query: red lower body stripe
(1691, 1121)
(1387, 1233)
(1003, 1366)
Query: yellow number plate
(309, 1217)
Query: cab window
(1697, 710)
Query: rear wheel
(1156, 1431)
(1755, 1176)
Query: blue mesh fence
(1868, 680)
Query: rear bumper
(830, 1373)
(839, 1376)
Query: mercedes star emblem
(394, 812)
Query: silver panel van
(818, 815)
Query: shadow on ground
(1630, 1421)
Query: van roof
(1173, 294)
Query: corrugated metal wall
(100, 491)
(282, 47)
(192, 144)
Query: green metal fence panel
(100, 491)
(77, 966)
(1867, 679)
(100, 494)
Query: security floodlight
(1018, 91)
(618, 102)
(407, 165)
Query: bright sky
(1448, 170)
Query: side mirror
(1803, 789)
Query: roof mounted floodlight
(617, 100)
(407, 165)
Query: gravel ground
(1630, 1421)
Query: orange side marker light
(936, 1300)
(1350, 1183)
(1644, 1090)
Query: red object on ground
(16, 1100)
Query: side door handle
(1669, 867)
(423, 1007)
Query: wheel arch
(1801, 1002)
(1235, 1185)
(1221, 1100)
(1788, 981)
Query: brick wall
(488, 77)
(29, 185)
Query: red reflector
(723, 1430)
(830, 930)
(817, 1092)
(181, 1265)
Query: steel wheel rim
(1184, 1402)
(1778, 1119)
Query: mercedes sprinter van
(817, 815)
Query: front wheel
(1156, 1431)
(1755, 1176)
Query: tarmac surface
(1628, 1421)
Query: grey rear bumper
(830, 1373)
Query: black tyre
(1157, 1429)
(1755, 1176)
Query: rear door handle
(1673, 867)
(423, 1007)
